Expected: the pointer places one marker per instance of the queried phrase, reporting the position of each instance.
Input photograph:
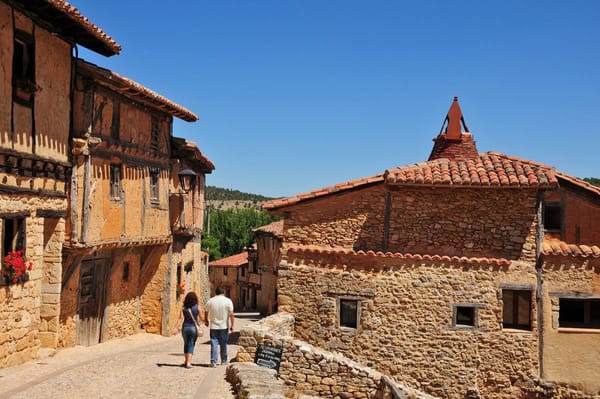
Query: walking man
(219, 313)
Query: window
(224, 271)
(154, 134)
(579, 313)
(154, 178)
(243, 271)
(552, 216)
(465, 315)
(125, 276)
(13, 235)
(349, 309)
(516, 311)
(23, 63)
(115, 182)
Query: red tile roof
(275, 228)
(488, 170)
(276, 203)
(578, 182)
(188, 151)
(231, 261)
(135, 91)
(561, 248)
(311, 249)
(66, 20)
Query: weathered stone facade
(308, 371)
(448, 274)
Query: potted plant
(15, 269)
(26, 89)
(180, 290)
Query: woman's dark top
(187, 319)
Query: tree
(232, 230)
(592, 180)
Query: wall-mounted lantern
(187, 180)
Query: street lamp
(187, 180)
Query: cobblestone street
(140, 366)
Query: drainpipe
(539, 289)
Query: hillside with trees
(230, 220)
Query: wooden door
(93, 288)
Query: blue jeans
(218, 338)
(189, 338)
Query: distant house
(467, 275)
(36, 88)
(266, 255)
(230, 272)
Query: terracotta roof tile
(236, 260)
(489, 169)
(73, 13)
(280, 202)
(561, 248)
(578, 182)
(135, 91)
(311, 249)
(275, 228)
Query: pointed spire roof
(454, 140)
(453, 122)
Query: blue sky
(294, 95)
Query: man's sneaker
(213, 365)
(225, 363)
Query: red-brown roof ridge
(279, 202)
(236, 260)
(275, 228)
(308, 249)
(136, 91)
(561, 248)
(73, 13)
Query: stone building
(118, 270)
(267, 255)
(467, 275)
(230, 272)
(36, 43)
(187, 218)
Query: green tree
(210, 245)
(233, 229)
(592, 180)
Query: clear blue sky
(294, 95)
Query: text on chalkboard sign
(268, 356)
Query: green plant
(15, 268)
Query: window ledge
(516, 330)
(573, 330)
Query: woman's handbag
(199, 329)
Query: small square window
(349, 309)
(465, 315)
(552, 217)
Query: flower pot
(23, 95)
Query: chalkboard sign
(268, 356)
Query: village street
(140, 366)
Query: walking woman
(190, 314)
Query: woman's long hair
(190, 300)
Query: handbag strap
(193, 318)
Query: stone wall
(406, 321)
(571, 355)
(443, 221)
(307, 370)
